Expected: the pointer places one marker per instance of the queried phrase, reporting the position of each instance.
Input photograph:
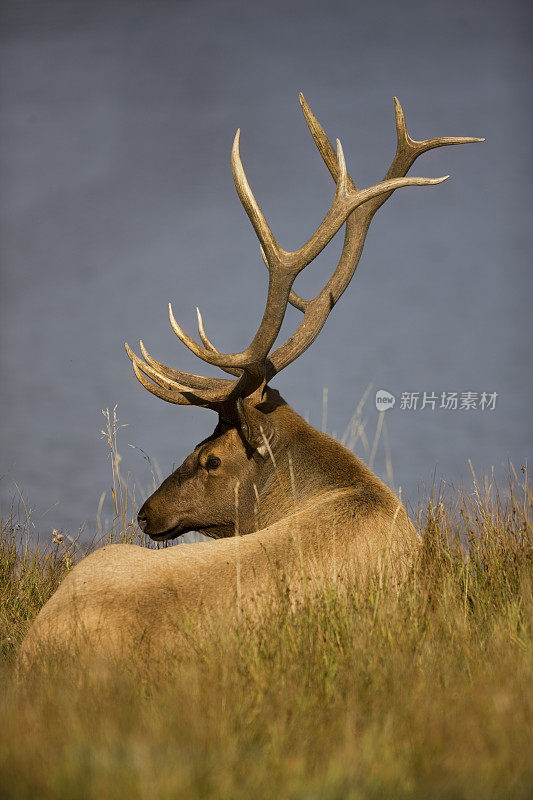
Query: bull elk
(274, 493)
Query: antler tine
(208, 354)
(163, 394)
(317, 310)
(187, 379)
(256, 216)
(330, 159)
(197, 391)
(185, 399)
(322, 142)
(409, 149)
(206, 341)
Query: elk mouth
(180, 529)
(171, 533)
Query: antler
(252, 366)
(316, 311)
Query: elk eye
(213, 462)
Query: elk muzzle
(159, 527)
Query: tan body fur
(122, 594)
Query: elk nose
(142, 519)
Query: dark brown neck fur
(308, 463)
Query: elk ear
(255, 427)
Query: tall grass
(424, 691)
(124, 490)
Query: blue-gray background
(117, 120)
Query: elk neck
(307, 463)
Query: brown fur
(318, 511)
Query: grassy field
(421, 692)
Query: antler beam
(316, 311)
(253, 367)
(284, 266)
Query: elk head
(222, 484)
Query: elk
(274, 493)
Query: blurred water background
(117, 120)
